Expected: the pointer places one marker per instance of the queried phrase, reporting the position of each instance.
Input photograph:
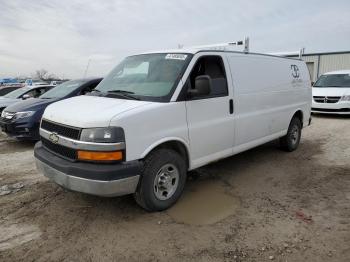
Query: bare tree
(41, 74)
(44, 75)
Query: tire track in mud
(13, 235)
(16, 166)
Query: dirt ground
(261, 205)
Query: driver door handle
(231, 106)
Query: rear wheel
(162, 181)
(291, 140)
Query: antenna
(246, 45)
(87, 67)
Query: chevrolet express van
(158, 115)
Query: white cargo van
(158, 115)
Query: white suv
(158, 115)
(331, 93)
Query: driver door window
(212, 66)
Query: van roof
(339, 72)
(194, 50)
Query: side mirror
(202, 86)
(26, 96)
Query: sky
(61, 36)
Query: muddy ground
(260, 205)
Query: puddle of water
(17, 234)
(204, 202)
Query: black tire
(146, 195)
(291, 140)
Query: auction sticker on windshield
(176, 56)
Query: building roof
(324, 53)
(339, 72)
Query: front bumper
(106, 180)
(341, 107)
(21, 130)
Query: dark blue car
(22, 119)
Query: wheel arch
(177, 144)
(299, 114)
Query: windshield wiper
(120, 91)
(123, 93)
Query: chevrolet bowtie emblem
(54, 138)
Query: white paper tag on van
(176, 56)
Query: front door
(210, 117)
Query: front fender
(165, 140)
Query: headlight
(103, 135)
(7, 115)
(23, 114)
(345, 98)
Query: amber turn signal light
(100, 156)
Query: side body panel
(266, 96)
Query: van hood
(4, 102)
(330, 91)
(34, 104)
(89, 111)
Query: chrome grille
(327, 99)
(63, 151)
(63, 130)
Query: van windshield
(336, 80)
(63, 89)
(151, 77)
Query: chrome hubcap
(166, 182)
(294, 134)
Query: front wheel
(162, 181)
(291, 140)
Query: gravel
(285, 207)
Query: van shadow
(216, 191)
